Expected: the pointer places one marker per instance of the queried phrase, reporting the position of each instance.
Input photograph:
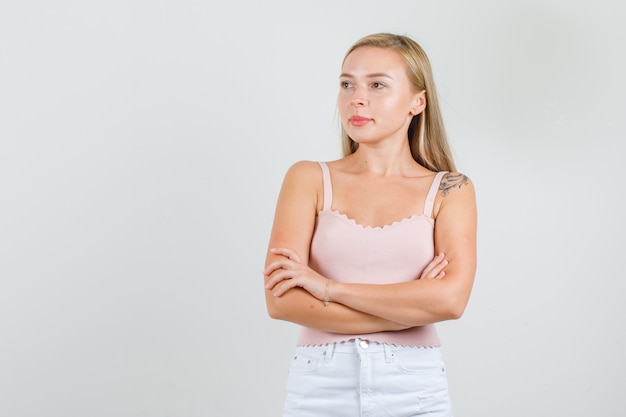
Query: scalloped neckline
(350, 220)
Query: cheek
(344, 107)
(396, 108)
(343, 98)
(396, 102)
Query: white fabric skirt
(367, 379)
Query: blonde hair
(427, 135)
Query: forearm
(300, 307)
(414, 303)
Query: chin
(364, 139)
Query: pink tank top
(345, 251)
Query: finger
(277, 277)
(436, 270)
(284, 286)
(282, 263)
(435, 261)
(427, 272)
(440, 257)
(286, 252)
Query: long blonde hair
(427, 135)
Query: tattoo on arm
(451, 181)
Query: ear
(419, 103)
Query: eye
(377, 85)
(345, 84)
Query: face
(376, 99)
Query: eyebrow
(374, 75)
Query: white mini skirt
(367, 379)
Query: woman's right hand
(436, 268)
(288, 271)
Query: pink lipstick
(359, 121)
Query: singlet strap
(432, 193)
(328, 189)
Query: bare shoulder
(303, 181)
(454, 183)
(304, 172)
(302, 167)
(456, 193)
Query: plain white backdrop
(142, 147)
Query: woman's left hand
(436, 268)
(288, 272)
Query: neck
(386, 159)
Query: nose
(359, 96)
(358, 102)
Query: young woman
(368, 251)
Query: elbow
(274, 313)
(277, 308)
(288, 306)
(455, 312)
(273, 310)
(454, 307)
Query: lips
(359, 120)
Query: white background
(142, 147)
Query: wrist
(326, 298)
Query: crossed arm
(294, 290)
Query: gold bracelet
(326, 296)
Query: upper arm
(296, 209)
(455, 232)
